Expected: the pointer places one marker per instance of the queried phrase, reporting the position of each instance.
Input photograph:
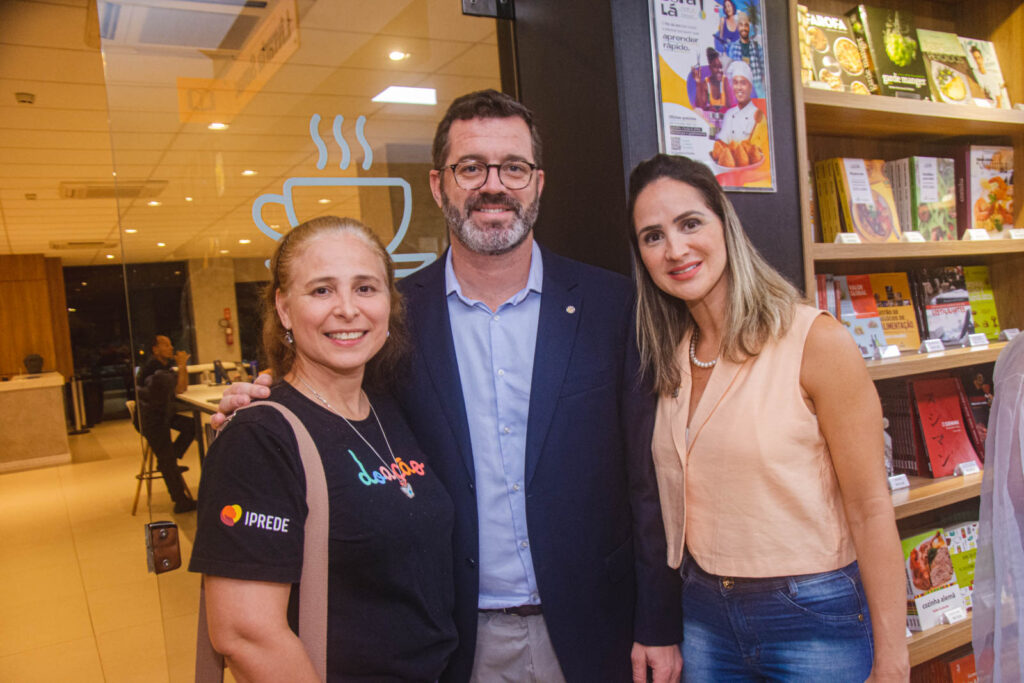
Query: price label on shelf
(912, 236)
(952, 616)
(977, 339)
(1014, 234)
(898, 482)
(965, 468)
(975, 234)
(890, 351)
(847, 238)
(932, 346)
(1008, 334)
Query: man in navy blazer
(581, 473)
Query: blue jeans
(813, 627)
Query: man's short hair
(155, 340)
(483, 104)
(742, 18)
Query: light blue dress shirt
(494, 350)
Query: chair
(148, 471)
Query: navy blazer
(592, 510)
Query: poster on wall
(711, 79)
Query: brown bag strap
(313, 585)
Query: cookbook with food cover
(945, 64)
(962, 541)
(943, 430)
(865, 199)
(984, 63)
(828, 56)
(858, 313)
(984, 176)
(931, 581)
(896, 309)
(983, 302)
(887, 41)
(925, 193)
(945, 304)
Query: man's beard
(489, 239)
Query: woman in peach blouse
(769, 452)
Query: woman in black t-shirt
(333, 323)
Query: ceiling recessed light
(161, 244)
(130, 231)
(244, 241)
(153, 202)
(84, 284)
(403, 95)
(398, 55)
(217, 125)
(223, 251)
(323, 200)
(188, 199)
(113, 173)
(275, 226)
(110, 256)
(248, 171)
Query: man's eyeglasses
(472, 175)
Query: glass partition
(232, 121)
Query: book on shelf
(896, 309)
(955, 666)
(924, 189)
(983, 302)
(862, 198)
(908, 455)
(949, 75)
(829, 58)
(827, 294)
(984, 63)
(963, 669)
(887, 40)
(827, 203)
(984, 197)
(962, 541)
(931, 582)
(944, 303)
(941, 420)
(859, 314)
(976, 381)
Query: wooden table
(201, 399)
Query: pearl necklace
(403, 483)
(706, 365)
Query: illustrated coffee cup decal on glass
(287, 198)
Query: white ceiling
(87, 124)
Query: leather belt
(519, 611)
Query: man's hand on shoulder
(664, 661)
(239, 395)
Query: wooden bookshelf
(925, 645)
(917, 363)
(927, 494)
(874, 116)
(825, 253)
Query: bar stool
(149, 470)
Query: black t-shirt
(390, 558)
(155, 393)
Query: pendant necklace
(403, 482)
(693, 352)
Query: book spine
(858, 26)
(842, 195)
(962, 171)
(968, 418)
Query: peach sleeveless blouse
(750, 491)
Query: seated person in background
(158, 384)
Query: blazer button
(471, 487)
(471, 562)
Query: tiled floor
(76, 601)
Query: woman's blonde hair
(279, 353)
(760, 301)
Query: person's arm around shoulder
(248, 624)
(238, 395)
(850, 417)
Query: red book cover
(962, 670)
(942, 425)
(922, 466)
(977, 437)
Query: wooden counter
(33, 428)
